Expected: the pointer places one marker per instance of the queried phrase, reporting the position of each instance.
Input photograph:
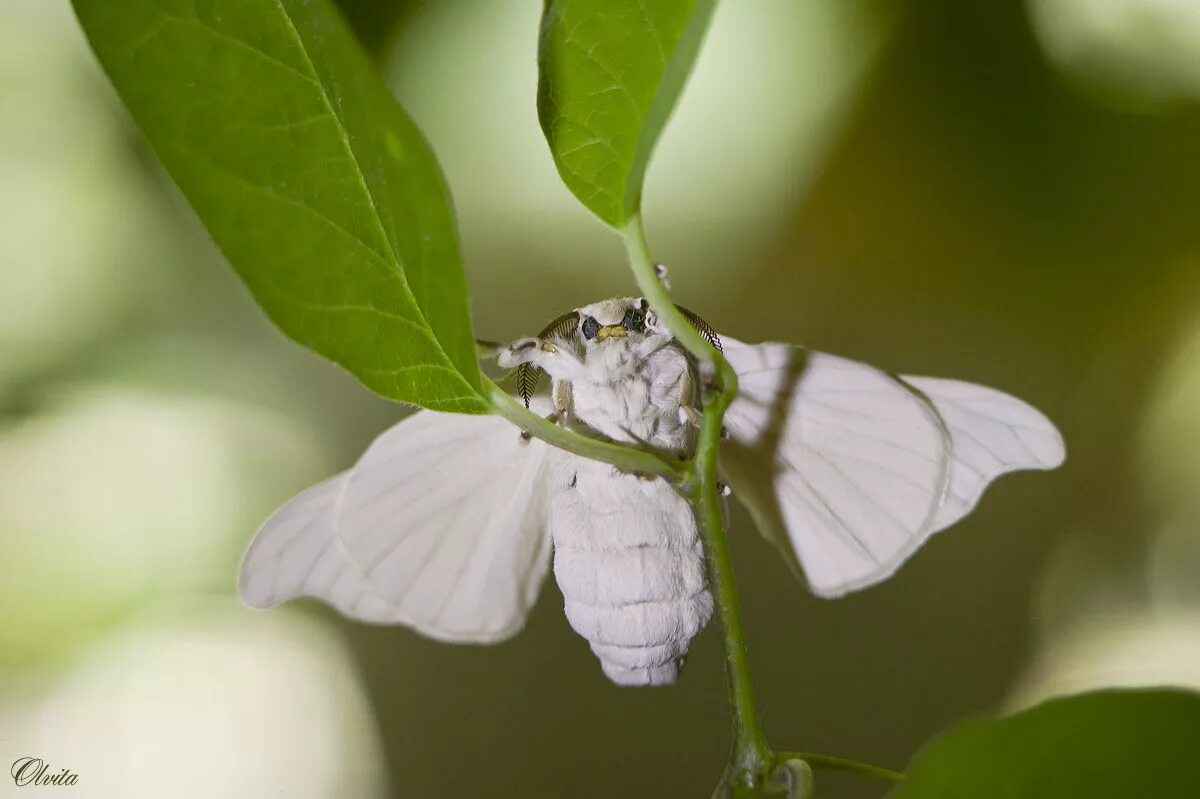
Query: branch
(656, 293)
(751, 756)
(619, 455)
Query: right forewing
(442, 525)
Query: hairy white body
(627, 553)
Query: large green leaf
(1126, 744)
(312, 180)
(610, 73)
(376, 23)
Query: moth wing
(992, 433)
(296, 548)
(442, 525)
(849, 469)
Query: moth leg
(552, 418)
(688, 412)
(690, 415)
(563, 398)
(690, 398)
(555, 416)
(558, 359)
(523, 350)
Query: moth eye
(590, 328)
(634, 320)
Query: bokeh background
(1000, 192)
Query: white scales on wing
(446, 523)
(850, 469)
(440, 526)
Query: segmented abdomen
(629, 562)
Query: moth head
(622, 319)
(609, 329)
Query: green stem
(841, 764)
(619, 455)
(656, 293)
(751, 752)
(751, 755)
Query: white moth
(447, 522)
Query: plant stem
(624, 457)
(656, 293)
(751, 752)
(751, 755)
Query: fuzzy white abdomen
(629, 562)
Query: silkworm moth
(448, 523)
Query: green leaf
(610, 72)
(376, 23)
(312, 180)
(1126, 744)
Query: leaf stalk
(624, 457)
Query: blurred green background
(999, 192)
